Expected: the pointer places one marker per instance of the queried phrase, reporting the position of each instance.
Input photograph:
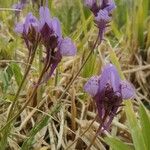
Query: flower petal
(103, 16)
(67, 47)
(111, 6)
(91, 86)
(127, 90)
(56, 27)
(45, 17)
(102, 19)
(31, 21)
(19, 28)
(110, 75)
(90, 3)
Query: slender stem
(84, 63)
(39, 94)
(98, 132)
(5, 133)
(82, 133)
(12, 108)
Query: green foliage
(90, 66)
(43, 123)
(145, 125)
(6, 49)
(135, 128)
(131, 17)
(17, 73)
(29, 141)
(139, 129)
(116, 144)
(6, 76)
(68, 13)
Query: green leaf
(90, 66)
(38, 126)
(116, 144)
(145, 124)
(17, 73)
(136, 131)
(28, 142)
(6, 76)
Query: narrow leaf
(17, 73)
(116, 144)
(145, 123)
(136, 132)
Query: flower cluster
(46, 30)
(108, 91)
(102, 10)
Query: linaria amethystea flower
(56, 45)
(102, 11)
(49, 31)
(108, 91)
(49, 28)
(30, 23)
(28, 29)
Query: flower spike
(108, 91)
(102, 11)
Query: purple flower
(30, 23)
(108, 91)
(45, 17)
(90, 3)
(50, 29)
(102, 12)
(57, 28)
(67, 47)
(56, 45)
(110, 7)
(92, 86)
(29, 29)
(19, 28)
(101, 20)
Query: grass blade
(145, 124)
(116, 144)
(134, 127)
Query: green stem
(39, 94)
(27, 102)
(84, 63)
(98, 132)
(5, 133)
(12, 108)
